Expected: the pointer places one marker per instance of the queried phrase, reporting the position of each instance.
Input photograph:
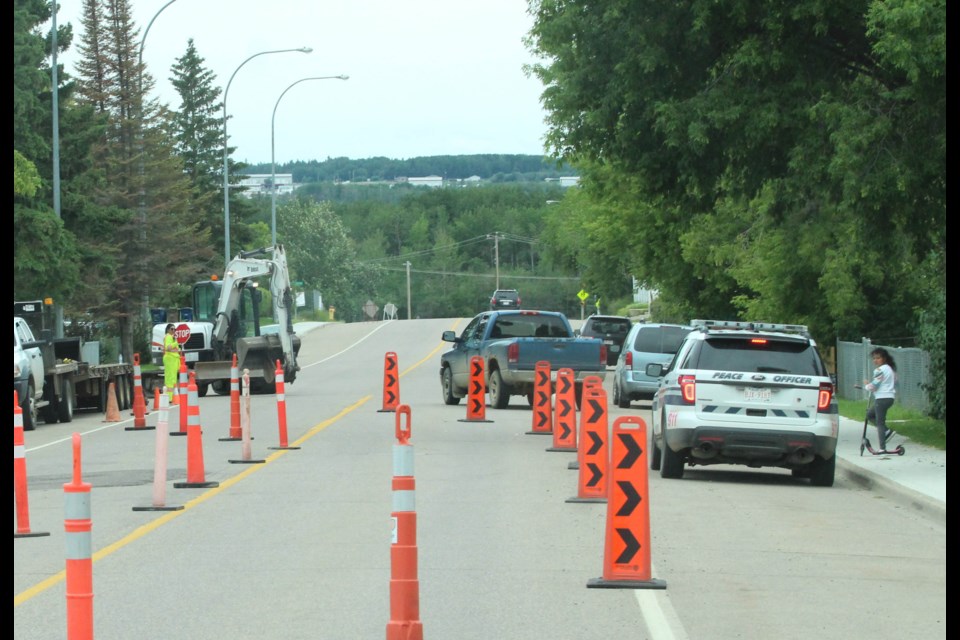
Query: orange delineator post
(245, 453)
(281, 409)
(588, 382)
(235, 430)
(20, 475)
(184, 397)
(391, 383)
(195, 472)
(139, 402)
(626, 549)
(542, 399)
(404, 621)
(156, 398)
(592, 446)
(79, 564)
(565, 412)
(476, 393)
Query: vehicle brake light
(513, 353)
(603, 354)
(628, 359)
(826, 395)
(758, 341)
(688, 388)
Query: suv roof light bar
(704, 325)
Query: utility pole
(407, 263)
(496, 254)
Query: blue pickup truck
(511, 344)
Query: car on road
(646, 343)
(611, 329)
(505, 299)
(745, 393)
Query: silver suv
(745, 393)
(645, 344)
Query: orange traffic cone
(113, 408)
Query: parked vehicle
(745, 393)
(611, 329)
(511, 344)
(645, 344)
(505, 299)
(51, 379)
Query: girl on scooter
(883, 387)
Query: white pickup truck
(51, 381)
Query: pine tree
(143, 221)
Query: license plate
(756, 395)
(191, 356)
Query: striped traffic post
(592, 447)
(404, 621)
(245, 452)
(565, 412)
(235, 430)
(79, 565)
(542, 398)
(281, 408)
(160, 448)
(183, 396)
(20, 475)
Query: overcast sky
(427, 77)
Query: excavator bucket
(260, 354)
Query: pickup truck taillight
(688, 389)
(825, 396)
(513, 353)
(603, 354)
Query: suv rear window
(659, 339)
(757, 354)
(599, 327)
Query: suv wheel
(671, 464)
(822, 471)
(655, 454)
(621, 399)
(499, 397)
(446, 384)
(29, 408)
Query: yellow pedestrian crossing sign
(583, 295)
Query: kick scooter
(865, 442)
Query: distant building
(565, 181)
(259, 184)
(426, 181)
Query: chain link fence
(854, 366)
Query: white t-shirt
(883, 384)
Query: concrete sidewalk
(917, 479)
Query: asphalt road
(298, 546)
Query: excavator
(227, 323)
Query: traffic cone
(139, 404)
(156, 399)
(79, 569)
(113, 408)
(588, 383)
(195, 472)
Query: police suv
(747, 393)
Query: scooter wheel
(901, 450)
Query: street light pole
(273, 162)
(407, 263)
(226, 147)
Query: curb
(923, 504)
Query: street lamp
(226, 146)
(273, 163)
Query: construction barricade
(592, 446)
(476, 393)
(391, 383)
(565, 412)
(542, 399)
(626, 548)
